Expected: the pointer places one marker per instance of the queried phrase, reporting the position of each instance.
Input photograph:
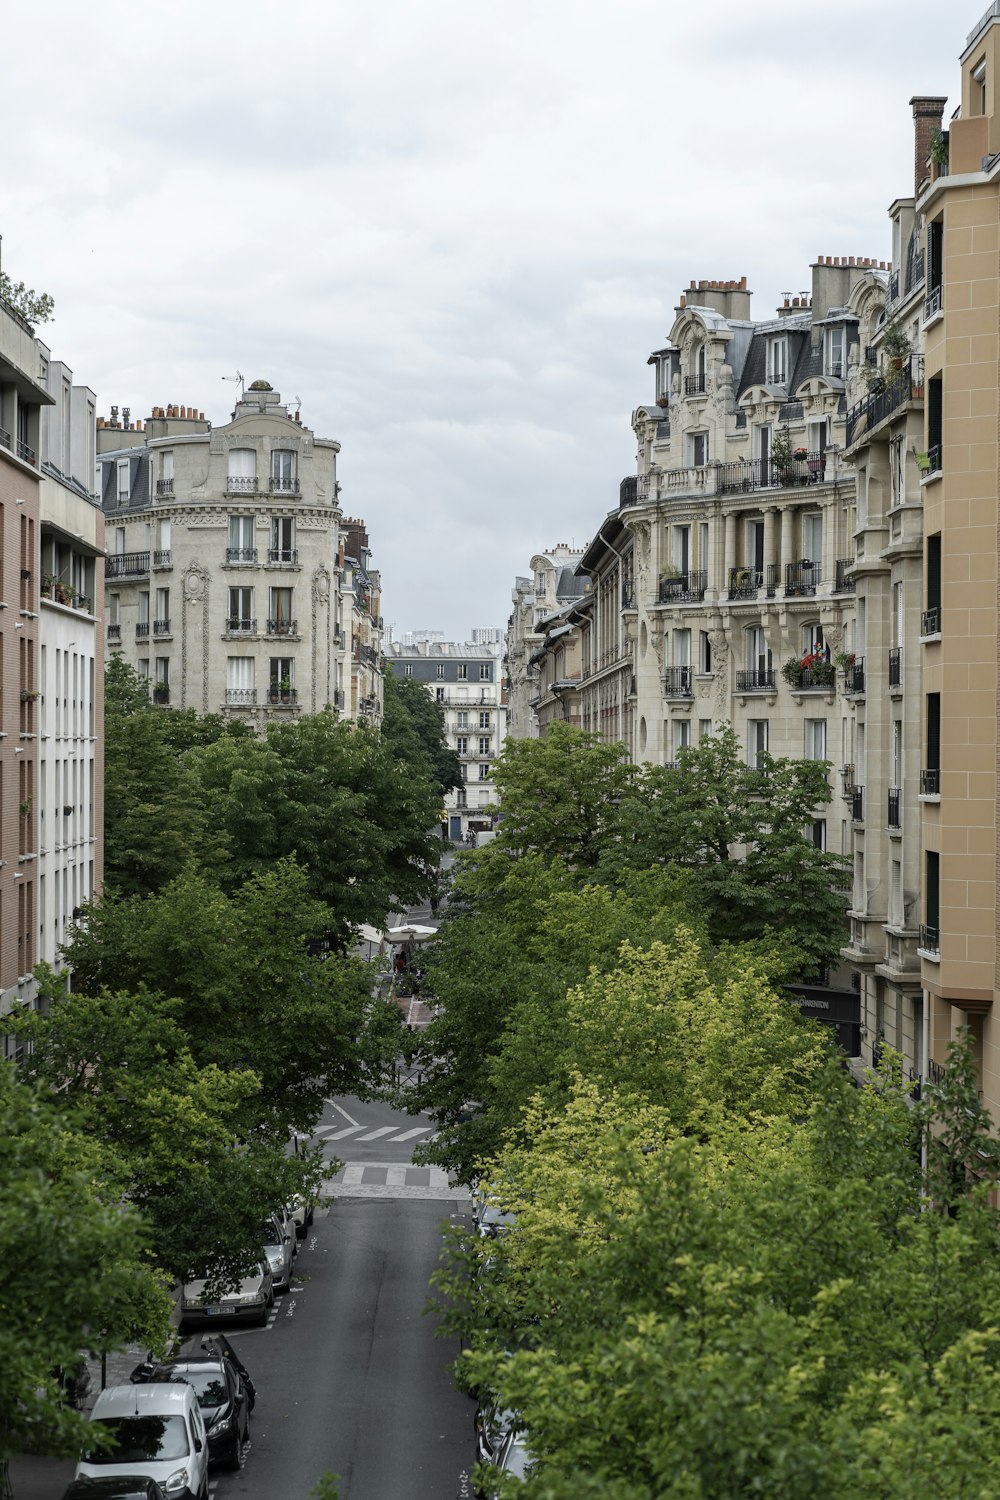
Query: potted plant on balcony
(896, 345)
(781, 457)
(844, 659)
(923, 461)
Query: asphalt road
(350, 1376)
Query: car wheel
(233, 1457)
(263, 1315)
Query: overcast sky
(454, 230)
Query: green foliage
(730, 1302)
(251, 995)
(37, 307)
(413, 726)
(60, 1218)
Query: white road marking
(373, 1135)
(395, 1177)
(408, 1135)
(343, 1112)
(347, 1130)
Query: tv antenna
(238, 377)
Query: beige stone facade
(225, 567)
(540, 603)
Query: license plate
(214, 1311)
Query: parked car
(115, 1487)
(287, 1226)
(301, 1214)
(249, 1301)
(277, 1249)
(493, 1423)
(159, 1432)
(223, 1387)
(513, 1459)
(492, 1220)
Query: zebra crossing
(386, 1133)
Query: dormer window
(697, 383)
(777, 360)
(835, 353)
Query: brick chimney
(928, 112)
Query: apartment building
(224, 558)
(361, 623)
(545, 596)
(466, 679)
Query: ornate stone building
(554, 586)
(225, 561)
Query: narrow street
(350, 1376)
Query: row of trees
(215, 1004)
(732, 1272)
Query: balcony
(5, 441)
(237, 486)
(162, 559)
(857, 804)
(695, 385)
(164, 487)
(628, 595)
(889, 392)
(894, 807)
(161, 627)
(683, 588)
(142, 630)
(929, 939)
(678, 682)
(161, 692)
(241, 627)
(896, 667)
(628, 492)
(745, 583)
(282, 555)
(935, 460)
(802, 579)
(115, 633)
(28, 455)
(932, 302)
(289, 697)
(126, 565)
(843, 582)
(854, 676)
(241, 697)
(930, 782)
(930, 621)
(756, 680)
(241, 555)
(764, 474)
(285, 486)
(282, 627)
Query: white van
(159, 1433)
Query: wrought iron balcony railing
(241, 697)
(628, 491)
(239, 485)
(282, 695)
(114, 632)
(161, 692)
(241, 626)
(282, 555)
(854, 676)
(930, 782)
(161, 627)
(628, 595)
(126, 564)
(932, 302)
(282, 627)
(802, 579)
(286, 486)
(843, 582)
(888, 393)
(857, 804)
(27, 453)
(695, 385)
(241, 554)
(935, 459)
(683, 588)
(756, 680)
(745, 583)
(141, 630)
(162, 559)
(896, 667)
(164, 486)
(929, 939)
(894, 807)
(930, 621)
(678, 682)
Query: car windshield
(209, 1385)
(142, 1439)
(270, 1238)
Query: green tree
(174, 1133)
(414, 727)
(561, 797)
(60, 1219)
(251, 994)
(37, 307)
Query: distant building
(228, 586)
(551, 590)
(467, 681)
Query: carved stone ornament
(321, 584)
(195, 582)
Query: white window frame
(757, 741)
(777, 359)
(124, 489)
(835, 351)
(815, 740)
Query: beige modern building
(957, 211)
(224, 560)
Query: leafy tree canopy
(59, 1220)
(37, 307)
(414, 727)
